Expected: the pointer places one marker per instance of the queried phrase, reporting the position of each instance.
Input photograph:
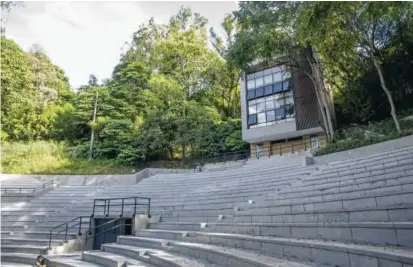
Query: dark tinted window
(252, 119)
(268, 89)
(259, 92)
(278, 87)
(251, 94)
(280, 113)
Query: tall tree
(370, 28)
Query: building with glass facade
(280, 112)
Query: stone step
(325, 252)
(332, 214)
(223, 256)
(108, 259)
(71, 262)
(31, 249)
(395, 234)
(18, 258)
(27, 241)
(156, 257)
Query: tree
(370, 30)
(225, 74)
(17, 92)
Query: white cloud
(87, 37)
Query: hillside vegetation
(171, 99)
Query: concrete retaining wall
(366, 150)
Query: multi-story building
(280, 110)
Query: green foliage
(47, 157)
(374, 132)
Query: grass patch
(359, 136)
(47, 157)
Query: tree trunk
(321, 97)
(92, 136)
(388, 93)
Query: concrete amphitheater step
(395, 234)
(108, 259)
(222, 256)
(30, 249)
(70, 262)
(395, 213)
(156, 257)
(325, 252)
(18, 258)
(29, 241)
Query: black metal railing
(27, 190)
(274, 149)
(65, 227)
(92, 234)
(107, 203)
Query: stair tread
(117, 258)
(245, 255)
(178, 259)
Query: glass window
(271, 115)
(259, 74)
(250, 76)
(286, 75)
(268, 90)
(290, 111)
(261, 107)
(269, 105)
(261, 117)
(278, 88)
(280, 114)
(277, 77)
(267, 71)
(252, 109)
(252, 119)
(259, 82)
(286, 85)
(279, 103)
(250, 84)
(276, 69)
(251, 94)
(260, 100)
(268, 79)
(259, 92)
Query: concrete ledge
(366, 150)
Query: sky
(86, 38)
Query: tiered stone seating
(270, 212)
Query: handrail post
(93, 211)
(305, 145)
(50, 239)
(292, 147)
(135, 207)
(67, 225)
(80, 225)
(108, 207)
(123, 202)
(149, 207)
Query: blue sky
(87, 37)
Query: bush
(359, 136)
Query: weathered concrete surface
(366, 150)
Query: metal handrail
(30, 189)
(107, 204)
(66, 228)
